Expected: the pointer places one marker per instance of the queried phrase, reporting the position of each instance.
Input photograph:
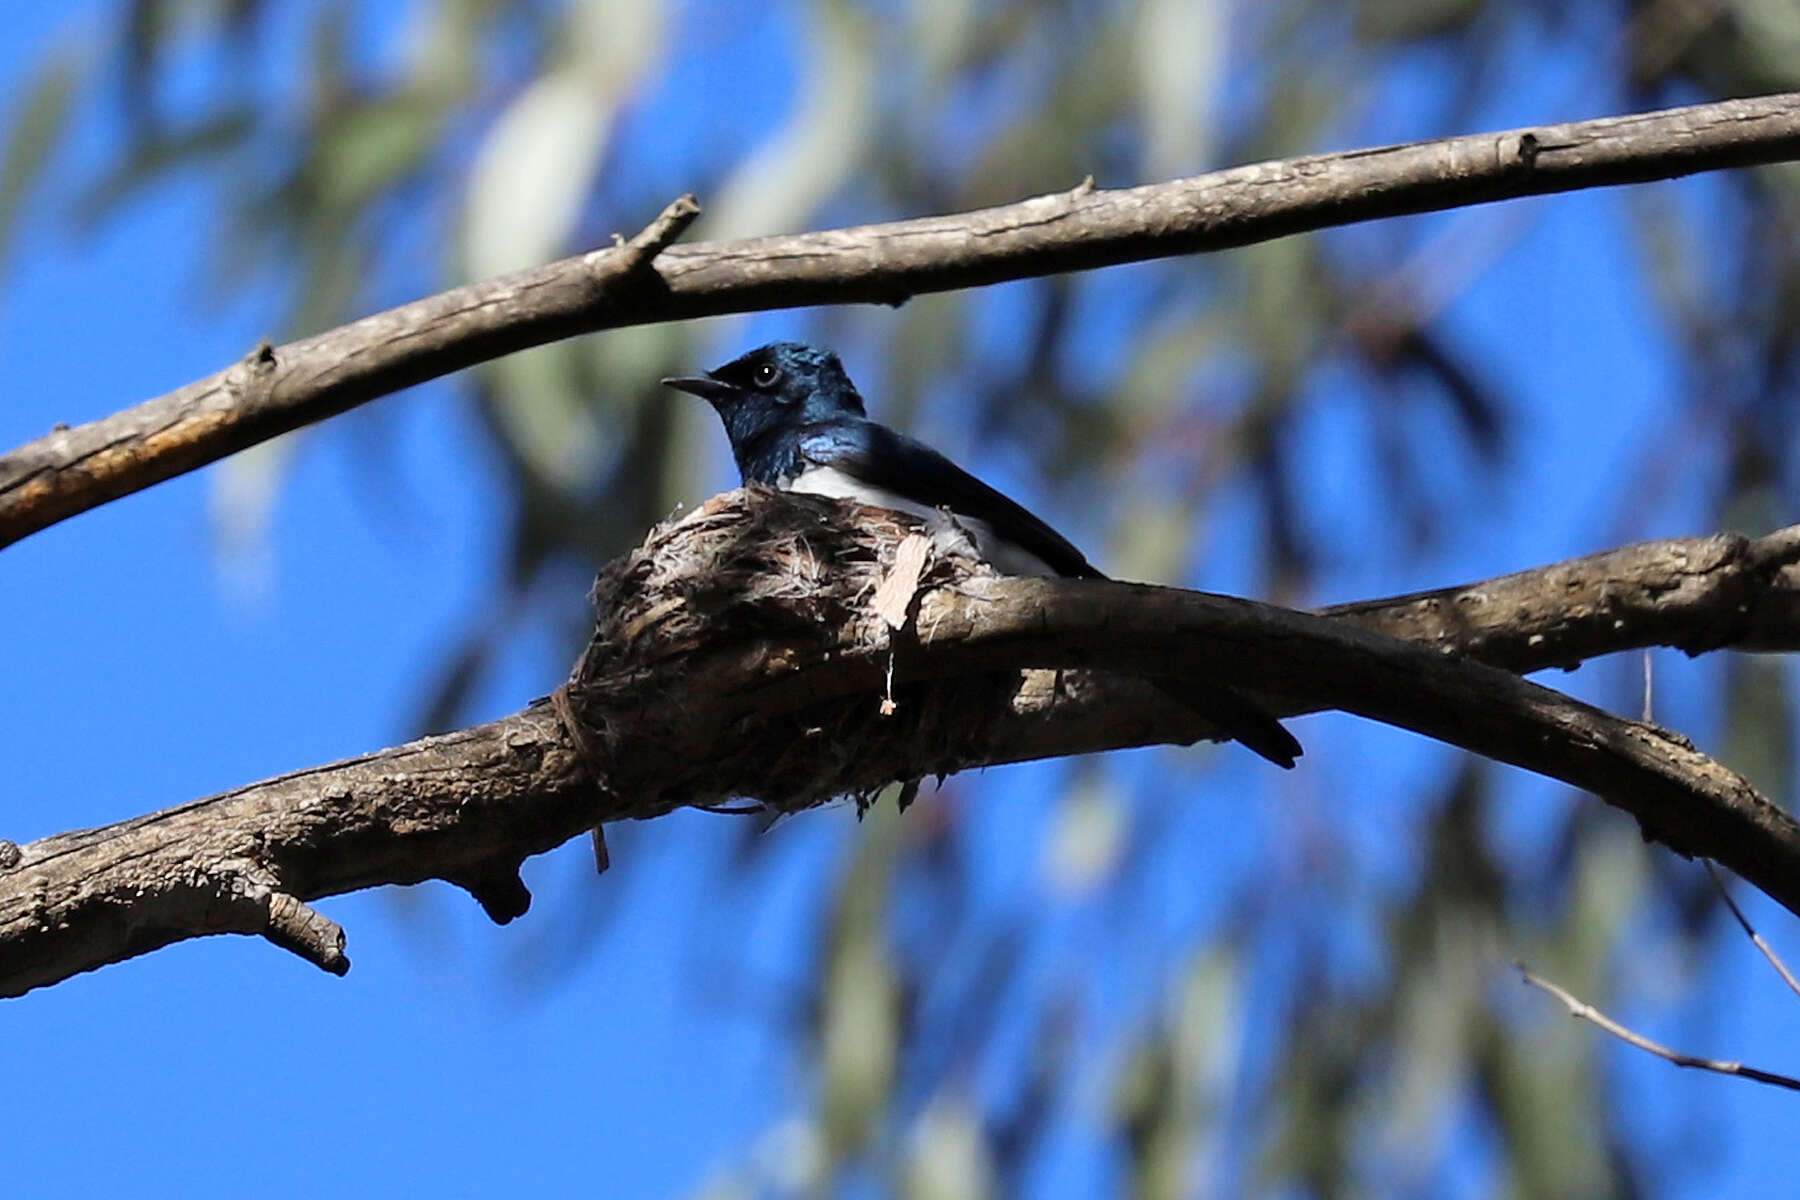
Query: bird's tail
(1237, 717)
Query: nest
(738, 654)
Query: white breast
(1006, 557)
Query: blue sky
(140, 674)
(143, 671)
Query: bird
(796, 422)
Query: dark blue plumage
(796, 422)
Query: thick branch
(1724, 591)
(278, 389)
(1693, 594)
(1680, 797)
(739, 653)
(242, 861)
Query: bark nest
(733, 651)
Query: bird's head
(781, 385)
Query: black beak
(703, 386)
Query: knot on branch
(740, 653)
(251, 381)
(499, 889)
(242, 896)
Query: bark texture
(793, 649)
(644, 280)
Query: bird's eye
(766, 375)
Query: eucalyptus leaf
(35, 127)
(779, 187)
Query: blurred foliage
(1330, 1025)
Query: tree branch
(1756, 939)
(1581, 1010)
(278, 389)
(1693, 594)
(740, 653)
(241, 861)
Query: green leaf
(154, 157)
(859, 1022)
(1180, 54)
(948, 1158)
(780, 186)
(536, 167)
(35, 131)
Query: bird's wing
(892, 462)
(883, 461)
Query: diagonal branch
(1581, 1010)
(277, 389)
(739, 653)
(1305, 662)
(1693, 594)
(456, 806)
(1756, 939)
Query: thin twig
(1584, 1011)
(1756, 939)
